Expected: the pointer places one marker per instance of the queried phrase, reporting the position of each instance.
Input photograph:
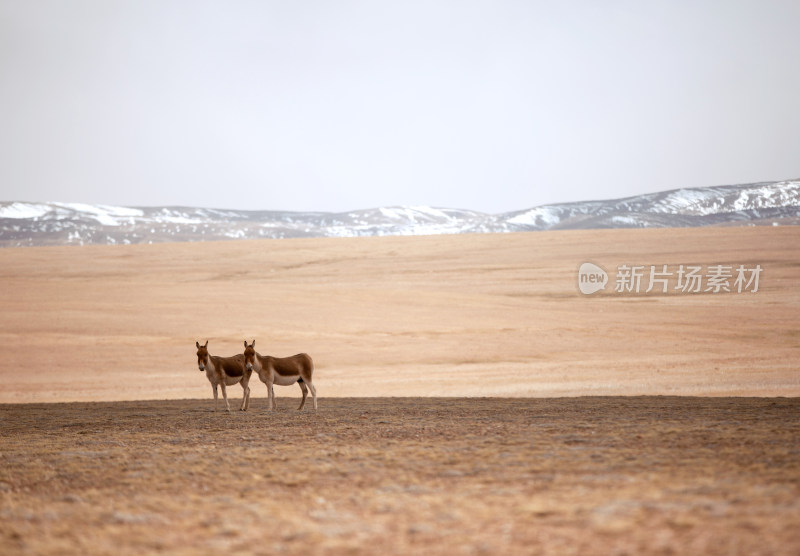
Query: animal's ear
(254, 343)
(197, 344)
(245, 343)
(206, 344)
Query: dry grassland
(466, 315)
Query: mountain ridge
(32, 224)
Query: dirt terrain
(593, 475)
(472, 400)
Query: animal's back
(293, 365)
(232, 366)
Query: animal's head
(202, 355)
(249, 355)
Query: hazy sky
(338, 105)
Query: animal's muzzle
(201, 367)
(249, 366)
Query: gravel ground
(592, 475)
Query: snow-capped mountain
(26, 224)
(759, 203)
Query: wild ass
(224, 371)
(283, 371)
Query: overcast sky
(339, 105)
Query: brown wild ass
(283, 371)
(224, 371)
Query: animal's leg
(214, 387)
(313, 394)
(269, 395)
(273, 405)
(245, 397)
(305, 393)
(225, 395)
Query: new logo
(591, 278)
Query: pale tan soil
(595, 475)
(466, 315)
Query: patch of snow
(430, 211)
(24, 210)
(178, 220)
(626, 220)
(685, 201)
(769, 196)
(537, 217)
(106, 215)
(393, 213)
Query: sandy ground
(466, 315)
(594, 475)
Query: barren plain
(472, 400)
(463, 315)
(593, 475)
